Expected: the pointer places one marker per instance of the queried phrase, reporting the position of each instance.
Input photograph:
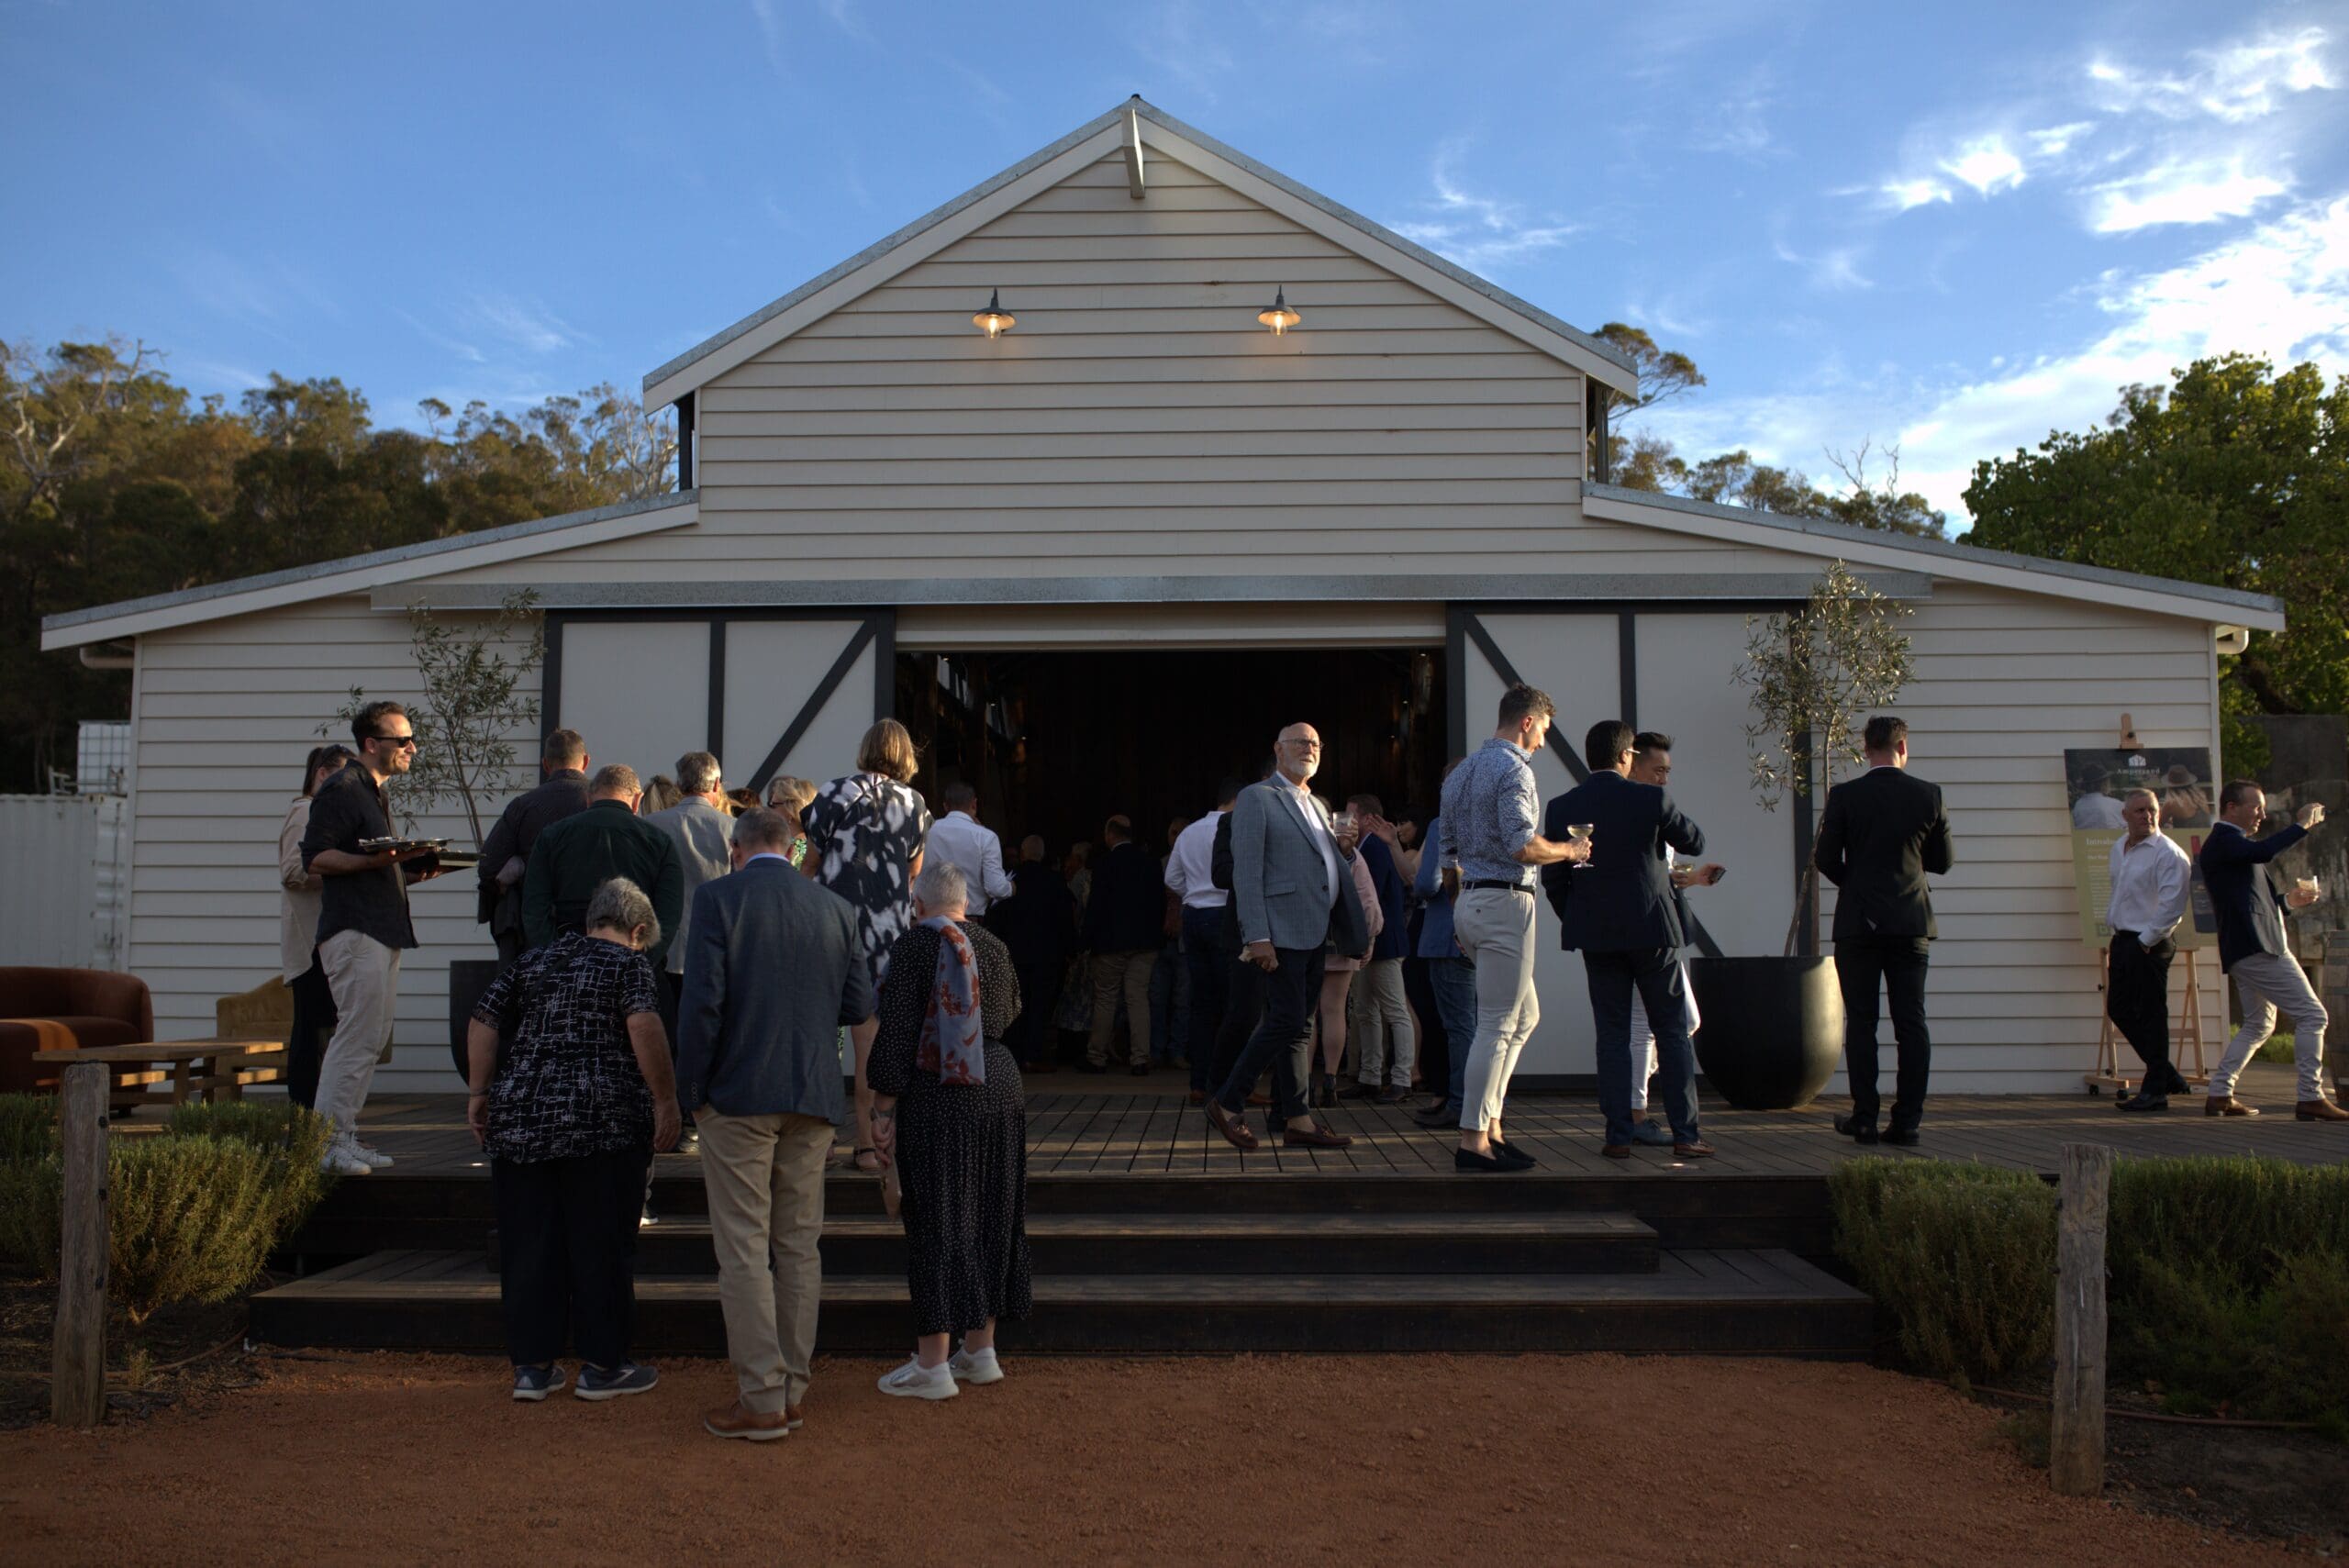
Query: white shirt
(2149, 887)
(1190, 869)
(976, 852)
(2097, 811)
(1320, 832)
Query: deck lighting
(995, 321)
(1279, 317)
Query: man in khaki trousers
(772, 971)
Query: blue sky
(1946, 226)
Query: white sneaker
(376, 1159)
(914, 1381)
(342, 1159)
(975, 1366)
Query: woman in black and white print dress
(864, 838)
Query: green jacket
(578, 855)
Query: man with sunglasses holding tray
(364, 924)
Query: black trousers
(566, 1252)
(2137, 999)
(1292, 992)
(1897, 963)
(1209, 963)
(1244, 1008)
(1435, 1045)
(314, 1021)
(1031, 1037)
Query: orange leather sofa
(57, 1009)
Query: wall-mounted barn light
(995, 321)
(1279, 316)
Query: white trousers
(2266, 985)
(1643, 1038)
(1495, 928)
(364, 976)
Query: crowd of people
(682, 962)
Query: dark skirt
(963, 1158)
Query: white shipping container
(65, 880)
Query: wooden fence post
(2076, 1434)
(77, 1388)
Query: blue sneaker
(628, 1377)
(532, 1383)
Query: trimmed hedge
(193, 1213)
(2229, 1277)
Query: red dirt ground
(1392, 1460)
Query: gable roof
(1943, 558)
(1158, 131)
(357, 573)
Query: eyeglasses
(406, 741)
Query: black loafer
(2153, 1104)
(1510, 1155)
(1855, 1129)
(1437, 1115)
(1906, 1139)
(1469, 1160)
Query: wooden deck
(1150, 1130)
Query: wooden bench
(171, 1072)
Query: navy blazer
(1621, 900)
(1879, 836)
(772, 970)
(2245, 893)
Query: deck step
(1230, 1244)
(1719, 1302)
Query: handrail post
(2075, 1428)
(78, 1360)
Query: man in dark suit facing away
(1618, 910)
(1882, 833)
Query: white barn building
(1085, 545)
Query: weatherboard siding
(226, 711)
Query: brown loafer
(1699, 1150)
(1198, 1096)
(1260, 1101)
(738, 1420)
(2226, 1105)
(1314, 1137)
(1616, 1151)
(2319, 1109)
(1235, 1132)
(793, 1416)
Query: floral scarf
(952, 1045)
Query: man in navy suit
(1620, 911)
(2250, 904)
(1881, 834)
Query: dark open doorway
(1055, 742)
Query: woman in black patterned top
(570, 1118)
(949, 1110)
(865, 839)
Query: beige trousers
(1113, 973)
(364, 977)
(764, 1178)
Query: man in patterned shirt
(1490, 846)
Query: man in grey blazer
(701, 828)
(773, 973)
(1293, 891)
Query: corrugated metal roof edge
(1947, 549)
(424, 550)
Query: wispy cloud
(1174, 38)
(1902, 195)
(1477, 231)
(527, 326)
(1354, 33)
(848, 16)
(268, 293)
(2182, 193)
(1987, 163)
(1833, 270)
(2238, 83)
(771, 35)
(442, 340)
(1737, 121)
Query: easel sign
(2097, 782)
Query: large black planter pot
(1772, 1029)
(468, 978)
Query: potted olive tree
(1774, 1026)
(472, 703)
